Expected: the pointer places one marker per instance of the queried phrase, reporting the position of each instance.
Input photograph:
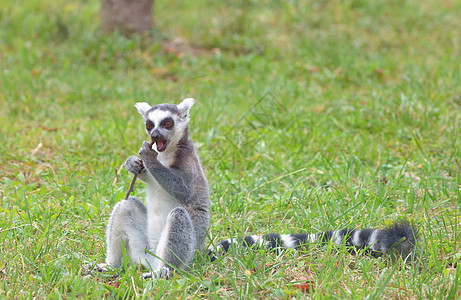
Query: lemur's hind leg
(176, 248)
(127, 224)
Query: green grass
(349, 116)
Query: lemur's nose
(155, 135)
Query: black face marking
(167, 123)
(149, 124)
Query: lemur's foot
(134, 165)
(101, 267)
(91, 268)
(161, 273)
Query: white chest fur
(159, 204)
(166, 158)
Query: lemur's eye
(149, 125)
(167, 123)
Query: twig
(135, 176)
(131, 186)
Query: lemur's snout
(155, 135)
(159, 139)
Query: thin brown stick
(135, 176)
(131, 186)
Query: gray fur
(165, 106)
(174, 180)
(173, 223)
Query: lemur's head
(166, 123)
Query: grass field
(310, 116)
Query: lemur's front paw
(134, 165)
(147, 154)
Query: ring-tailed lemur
(400, 238)
(173, 222)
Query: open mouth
(161, 145)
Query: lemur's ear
(143, 108)
(185, 106)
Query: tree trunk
(128, 16)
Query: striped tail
(400, 238)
